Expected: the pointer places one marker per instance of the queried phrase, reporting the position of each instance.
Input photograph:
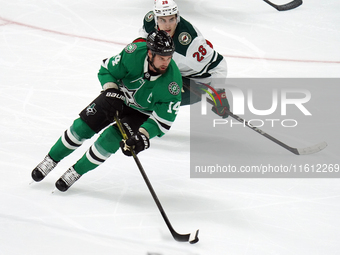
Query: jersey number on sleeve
(200, 53)
(175, 107)
(116, 60)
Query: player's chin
(170, 32)
(162, 70)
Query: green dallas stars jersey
(157, 96)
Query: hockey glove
(219, 109)
(114, 101)
(138, 142)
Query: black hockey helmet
(160, 43)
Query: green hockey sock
(102, 149)
(72, 139)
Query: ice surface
(50, 52)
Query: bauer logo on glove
(115, 95)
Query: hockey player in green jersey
(195, 57)
(142, 85)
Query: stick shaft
(176, 236)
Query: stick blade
(285, 7)
(191, 238)
(194, 237)
(312, 149)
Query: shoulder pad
(149, 16)
(174, 88)
(130, 48)
(184, 38)
(186, 32)
(184, 35)
(149, 23)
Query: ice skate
(67, 179)
(43, 169)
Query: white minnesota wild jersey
(193, 56)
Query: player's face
(168, 24)
(160, 63)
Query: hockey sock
(102, 149)
(72, 139)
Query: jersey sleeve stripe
(105, 63)
(163, 124)
(204, 70)
(215, 60)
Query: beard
(157, 70)
(160, 71)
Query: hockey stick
(285, 7)
(191, 238)
(297, 151)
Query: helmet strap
(151, 60)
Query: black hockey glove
(138, 142)
(221, 109)
(114, 101)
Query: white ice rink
(50, 53)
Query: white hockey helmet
(165, 8)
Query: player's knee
(108, 141)
(81, 129)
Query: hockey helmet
(160, 43)
(165, 8)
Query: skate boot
(67, 179)
(41, 170)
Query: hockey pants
(92, 120)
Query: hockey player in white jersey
(195, 57)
